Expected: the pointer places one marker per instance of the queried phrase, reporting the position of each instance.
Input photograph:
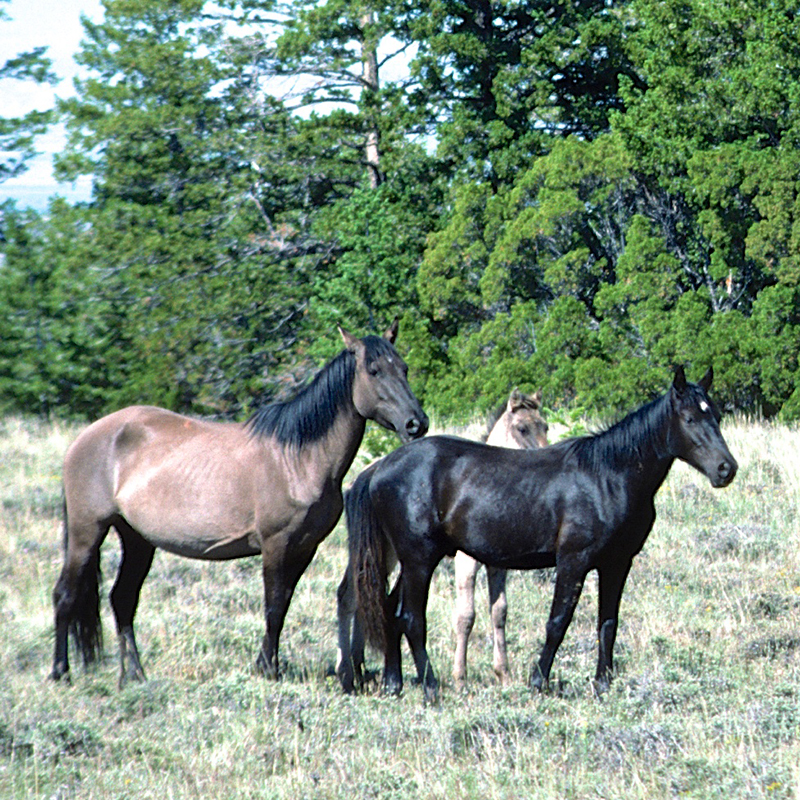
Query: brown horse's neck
(328, 458)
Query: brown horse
(580, 505)
(213, 490)
(520, 426)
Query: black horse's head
(695, 434)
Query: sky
(55, 24)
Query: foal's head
(380, 386)
(695, 432)
(521, 424)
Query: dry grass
(706, 702)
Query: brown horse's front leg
(569, 584)
(282, 568)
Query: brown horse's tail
(371, 555)
(81, 606)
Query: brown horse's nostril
(417, 427)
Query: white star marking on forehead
(704, 406)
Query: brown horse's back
(185, 485)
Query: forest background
(566, 196)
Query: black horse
(581, 504)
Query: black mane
(309, 416)
(642, 434)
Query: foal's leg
(137, 557)
(498, 606)
(466, 569)
(569, 584)
(612, 582)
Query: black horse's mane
(310, 415)
(640, 435)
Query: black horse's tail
(371, 559)
(78, 602)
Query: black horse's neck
(640, 441)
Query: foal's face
(381, 391)
(526, 426)
(698, 436)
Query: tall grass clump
(705, 704)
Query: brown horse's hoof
(60, 676)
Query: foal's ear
(391, 332)
(705, 381)
(679, 382)
(351, 342)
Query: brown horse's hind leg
(137, 556)
(76, 599)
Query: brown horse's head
(380, 386)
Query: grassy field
(706, 702)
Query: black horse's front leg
(569, 584)
(612, 582)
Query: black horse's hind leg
(569, 584)
(351, 656)
(137, 556)
(612, 582)
(415, 585)
(393, 660)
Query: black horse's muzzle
(726, 472)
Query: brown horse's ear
(351, 342)
(679, 382)
(391, 332)
(537, 398)
(705, 381)
(514, 400)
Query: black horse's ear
(391, 332)
(705, 381)
(679, 381)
